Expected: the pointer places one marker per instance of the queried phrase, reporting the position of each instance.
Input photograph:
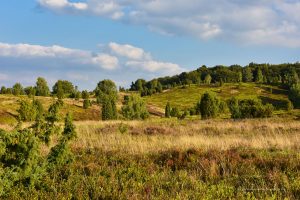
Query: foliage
(21, 160)
(249, 108)
(63, 87)
(17, 89)
(41, 87)
(30, 91)
(168, 110)
(109, 108)
(209, 106)
(30, 110)
(135, 108)
(294, 95)
(107, 95)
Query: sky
(86, 41)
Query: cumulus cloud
(264, 22)
(70, 56)
(129, 51)
(120, 62)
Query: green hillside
(185, 97)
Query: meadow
(167, 158)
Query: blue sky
(86, 41)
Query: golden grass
(206, 135)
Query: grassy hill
(183, 97)
(188, 96)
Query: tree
(85, 94)
(18, 89)
(59, 90)
(168, 110)
(259, 76)
(41, 87)
(135, 108)
(107, 95)
(3, 90)
(66, 86)
(86, 101)
(249, 108)
(104, 89)
(294, 95)
(30, 91)
(247, 74)
(209, 106)
(207, 79)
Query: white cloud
(275, 22)
(154, 66)
(120, 62)
(129, 51)
(71, 56)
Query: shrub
(86, 103)
(174, 112)
(209, 106)
(21, 160)
(135, 108)
(249, 108)
(294, 95)
(27, 111)
(168, 110)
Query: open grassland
(154, 136)
(170, 159)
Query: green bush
(209, 106)
(294, 95)
(249, 108)
(21, 160)
(135, 108)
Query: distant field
(181, 97)
(9, 106)
(188, 96)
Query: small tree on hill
(168, 110)
(107, 95)
(41, 87)
(259, 76)
(18, 89)
(294, 95)
(135, 108)
(207, 79)
(209, 106)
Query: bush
(209, 106)
(86, 103)
(249, 108)
(174, 112)
(135, 108)
(21, 161)
(168, 110)
(294, 95)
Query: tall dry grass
(161, 135)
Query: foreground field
(170, 159)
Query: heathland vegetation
(213, 133)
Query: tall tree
(41, 87)
(107, 95)
(247, 74)
(259, 76)
(18, 89)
